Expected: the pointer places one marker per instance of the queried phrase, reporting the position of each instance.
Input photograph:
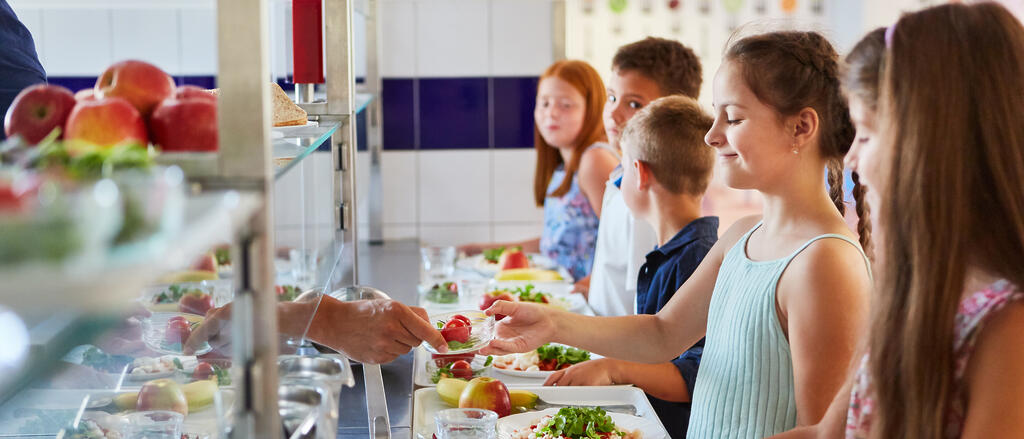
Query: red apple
(206, 262)
(37, 111)
(162, 394)
(191, 91)
(186, 123)
(141, 83)
(514, 259)
(85, 94)
(195, 302)
(105, 122)
(486, 393)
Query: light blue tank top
(744, 387)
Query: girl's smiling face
(559, 112)
(753, 145)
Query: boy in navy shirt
(19, 65)
(666, 169)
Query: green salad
(174, 293)
(561, 355)
(447, 292)
(528, 293)
(493, 254)
(580, 422)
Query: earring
(796, 150)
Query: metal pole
(374, 86)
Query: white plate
(646, 427)
(426, 404)
(479, 264)
(482, 329)
(538, 374)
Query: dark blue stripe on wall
(514, 99)
(453, 113)
(398, 114)
(73, 83)
(361, 127)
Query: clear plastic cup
(465, 424)
(330, 374)
(157, 424)
(438, 262)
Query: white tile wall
(512, 186)
(520, 37)
(452, 38)
(400, 180)
(454, 187)
(455, 234)
(363, 187)
(398, 38)
(150, 35)
(505, 232)
(77, 41)
(400, 231)
(33, 21)
(198, 41)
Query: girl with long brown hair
(945, 155)
(573, 163)
(783, 297)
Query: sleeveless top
(970, 318)
(570, 225)
(745, 383)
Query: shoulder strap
(608, 148)
(867, 262)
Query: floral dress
(570, 226)
(970, 317)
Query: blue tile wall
(453, 113)
(398, 114)
(514, 99)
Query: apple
(162, 394)
(195, 302)
(140, 83)
(186, 123)
(514, 259)
(105, 122)
(37, 111)
(486, 393)
(206, 262)
(191, 91)
(85, 94)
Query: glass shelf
(292, 144)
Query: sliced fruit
(126, 401)
(188, 276)
(199, 394)
(450, 390)
(522, 398)
(534, 274)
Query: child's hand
(525, 327)
(600, 372)
(582, 286)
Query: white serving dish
(426, 403)
(647, 428)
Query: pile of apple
(166, 394)
(132, 102)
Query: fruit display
(133, 103)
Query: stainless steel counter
(393, 267)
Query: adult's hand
(599, 372)
(215, 329)
(473, 248)
(373, 331)
(525, 327)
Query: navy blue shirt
(19, 64)
(666, 269)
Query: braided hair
(793, 70)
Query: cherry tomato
(177, 331)
(443, 359)
(461, 369)
(463, 318)
(203, 371)
(551, 364)
(453, 287)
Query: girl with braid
(941, 146)
(781, 298)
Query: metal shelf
(117, 278)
